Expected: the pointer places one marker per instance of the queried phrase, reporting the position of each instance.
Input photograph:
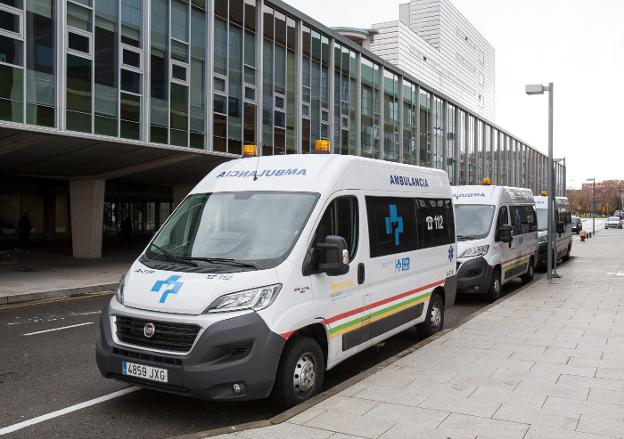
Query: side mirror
(333, 256)
(560, 228)
(503, 233)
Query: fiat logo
(149, 330)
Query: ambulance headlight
(119, 293)
(256, 299)
(473, 252)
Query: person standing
(24, 227)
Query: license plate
(145, 372)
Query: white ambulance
(496, 237)
(274, 270)
(562, 226)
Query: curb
(55, 294)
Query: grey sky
(576, 44)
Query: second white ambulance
(562, 244)
(274, 270)
(496, 237)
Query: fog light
(237, 388)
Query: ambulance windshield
(247, 230)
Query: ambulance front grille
(168, 336)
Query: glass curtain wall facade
(218, 74)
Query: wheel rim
(304, 376)
(496, 286)
(436, 317)
(531, 269)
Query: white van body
(563, 215)
(211, 352)
(485, 263)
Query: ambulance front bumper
(473, 276)
(240, 353)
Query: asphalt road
(43, 372)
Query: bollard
(582, 235)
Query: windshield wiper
(172, 257)
(224, 261)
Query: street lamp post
(593, 206)
(538, 89)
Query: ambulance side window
(392, 226)
(340, 218)
(503, 217)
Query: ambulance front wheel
(434, 321)
(300, 373)
(495, 290)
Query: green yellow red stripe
(378, 314)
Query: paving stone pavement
(547, 362)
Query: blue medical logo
(394, 224)
(451, 253)
(172, 285)
(402, 264)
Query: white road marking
(70, 409)
(59, 329)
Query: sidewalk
(44, 274)
(548, 362)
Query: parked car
(613, 222)
(577, 225)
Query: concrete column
(87, 217)
(180, 191)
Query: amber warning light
(249, 151)
(322, 146)
(487, 181)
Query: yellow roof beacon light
(486, 181)
(544, 194)
(322, 146)
(250, 151)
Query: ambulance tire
(434, 322)
(496, 287)
(300, 373)
(530, 274)
(566, 257)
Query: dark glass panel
(131, 21)
(11, 93)
(19, 4)
(291, 34)
(250, 15)
(178, 72)
(9, 21)
(220, 133)
(268, 22)
(221, 8)
(130, 116)
(179, 107)
(11, 51)
(250, 123)
(132, 58)
(158, 134)
(236, 12)
(130, 81)
(280, 28)
(79, 42)
(78, 84)
(40, 63)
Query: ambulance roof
(324, 173)
(491, 195)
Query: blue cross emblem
(451, 253)
(394, 224)
(171, 281)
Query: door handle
(361, 273)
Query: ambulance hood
(186, 293)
